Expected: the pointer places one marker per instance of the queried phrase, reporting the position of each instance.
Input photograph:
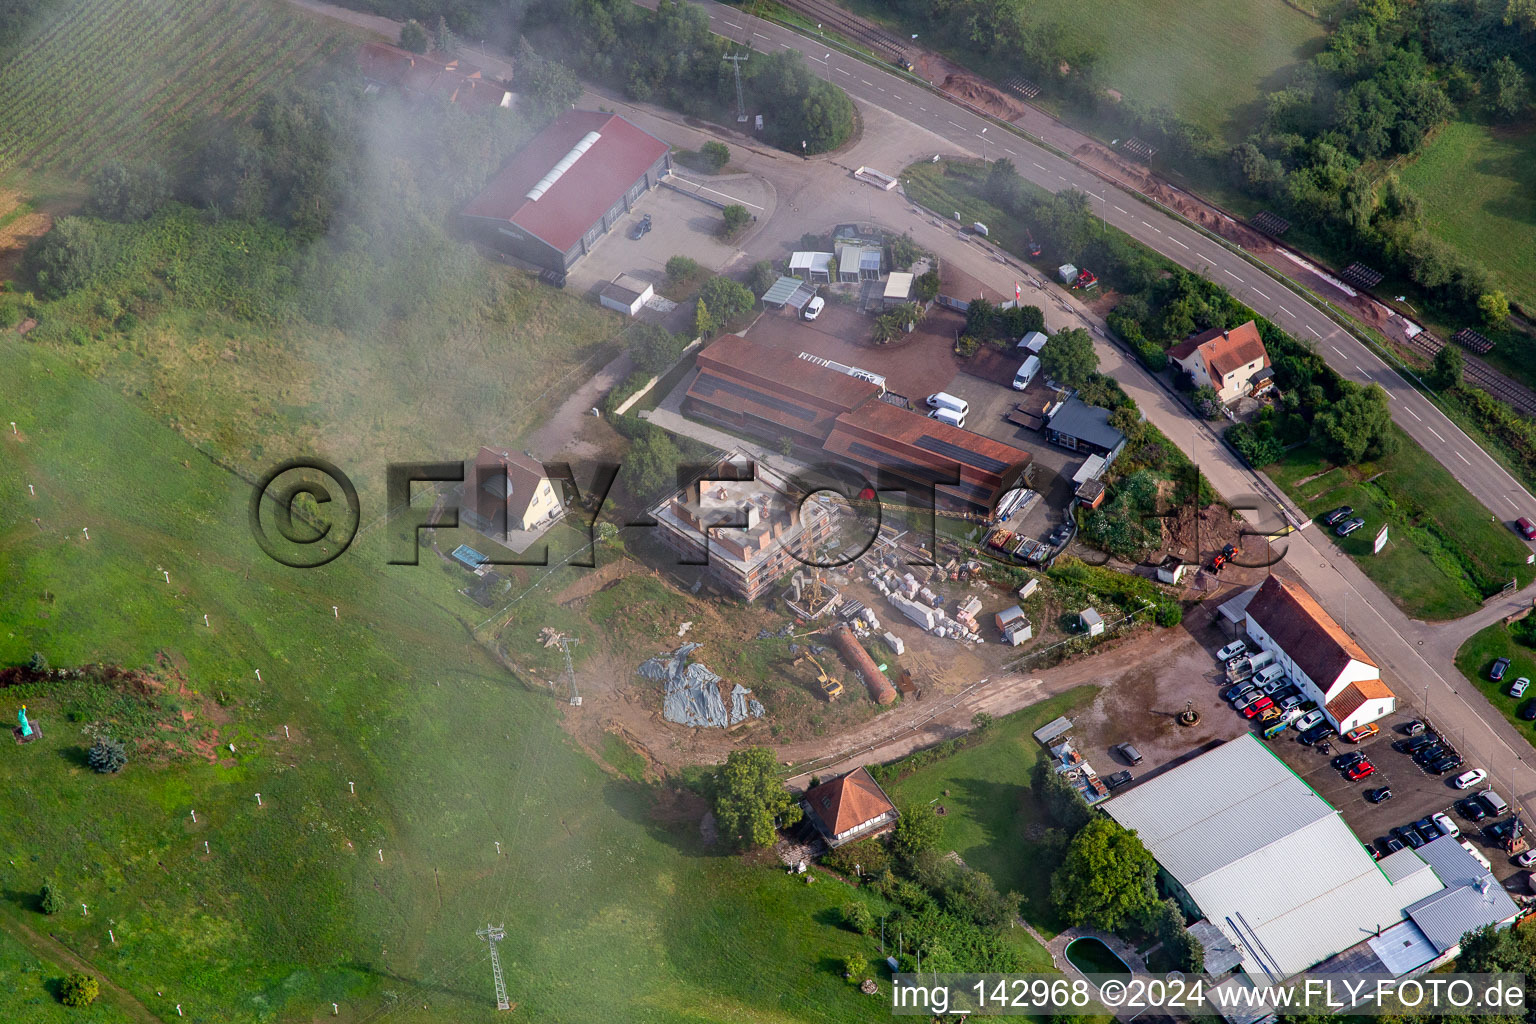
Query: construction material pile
(918, 602)
(692, 695)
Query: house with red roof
(1233, 362)
(849, 808)
(441, 77)
(567, 188)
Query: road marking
(1432, 430)
(1145, 224)
(1060, 178)
(818, 60)
(1260, 294)
(1229, 273)
(1116, 207)
(848, 73)
(1463, 458)
(788, 47)
(1176, 241)
(866, 81)
(1094, 194)
(759, 35)
(1041, 166)
(1010, 152)
(1512, 503)
(1203, 256)
(1288, 313)
(1415, 415)
(923, 109)
(1316, 335)
(955, 125)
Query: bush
(854, 966)
(715, 154)
(126, 193)
(926, 286)
(414, 37)
(857, 918)
(51, 900)
(735, 218)
(107, 756)
(761, 277)
(69, 257)
(869, 856)
(681, 269)
(79, 990)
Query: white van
(1262, 660)
(1026, 373)
(944, 400)
(950, 416)
(1269, 674)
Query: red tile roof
(1224, 351)
(1349, 700)
(589, 188)
(848, 802)
(1309, 635)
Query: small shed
(1052, 731)
(1033, 342)
(815, 267)
(1067, 273)
(1090, 493)
(788, 292)
(1030, 586)
(1014, 625)
(898, 289)
(1091, 621)
(1172, 570)
(858, 262)
(626, 294)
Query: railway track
(845, 24)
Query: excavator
(830, 688)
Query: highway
(1477, 471)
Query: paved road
(1417, 415)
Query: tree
(703, 320)
(107, 756)
(414, 37)
(123, 193)
(1167, 923)
(854, 966)
(1207, 401)
(716, 154)
(727, 301)
(981, 723)
(736, 217)
(51, 899)
(1106, 879)
(653, 348)
(681, 269)
(856, 917)
(1507, 89)
(1061, 800)
(917, 829)
(651, 465)
(1357, 427)
(1447, 369)
(750, 802)
(68, 257)
(761, 277)
(38, 662)
(926, 286)
(442, 38)
(1068, 357)
(79, 990)
(1493, 307)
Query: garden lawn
(1477, 656)
(1445, 551)
(994, 821)
(1478, 184)
(368, 898)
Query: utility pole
(493, 934)
(741, 100)
(570, 670)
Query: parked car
(1499, 829)
(1389, 844)
(1273, 687)
(1242, 702)
(1466, 780)
(814, 307)
(1309, 719)
(1349, 526)
(1115, 781)
(1338, 515)
(1233, 692)
(1446, 825)
(1252, 710)
(1379, 795)
(1526, 859)
(1500, 666)
(1472, 809)
(1449, 763)
(1414, 728)
(1525, 528)
(1360, 771)
(1429, 755)
(1317, 732)
(1519, 686)
(1130, 753)
(1409, 835)
(1419, 742)
(1365, 732)
(1528, 711)
(641, 227)
(1291, 702)
(1232, 650)
(1271, 713)
(1347, 760)
(1427, 828)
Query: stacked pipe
(858, 659)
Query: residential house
(1234, 363)
(849, 808)
(1077, 426)
(508, 493)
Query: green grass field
(614, 909)
(1209, 61)
(113, 78)
(1478, 654)
(1478, 185)
(1444, 548)
(994, 822)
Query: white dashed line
(788, 47)
(1261, 295)
(1415, 415)
(1010, 152)
(1512, 503)
(923, 109)
(1229, 273)
(1463, 458)
(1316, 335)
(1203, 256)
(1179, 243)
(866, 81)
(1145, 224)
(842, 72)
(759, 35)
(953, 124)
(1117, 208)
(1060, 178)
(1432, 430)
(1041, 166)
(1288, 313)
(1094, 194)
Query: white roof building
(812, 266)
(1248, 845)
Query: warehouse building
(567, 188)
(1222, 824)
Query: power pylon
(570, 670)
(741, 100)
(493, 934)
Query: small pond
(1091, 956)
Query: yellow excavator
(830, 688)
